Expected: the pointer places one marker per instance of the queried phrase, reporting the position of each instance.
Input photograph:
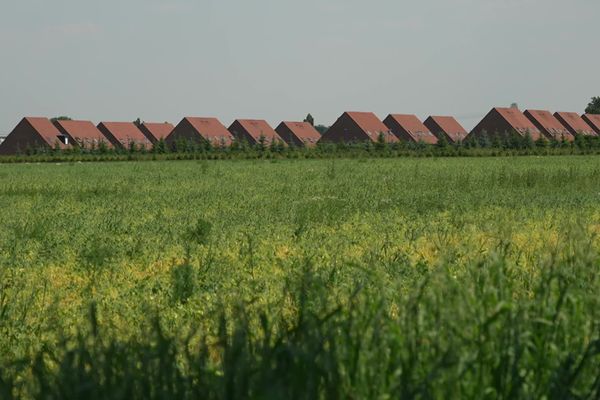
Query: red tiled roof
(46, 130)
(354, 126)
(593, 120)
(255, 128)
(81, 132)
(447, 125)
(548, 124)
(303, 131)
(502, 120)
(33, 133)
(410, 125)
(368, 122)
(574, 123)
(517, 120)
(157, 130)
(123, 133)
(211, 129)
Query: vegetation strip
(333, 278)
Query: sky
(161, 60)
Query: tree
(309, 118)
(321, 129)
(261, 143)
(528, 141)
(381, 143)
(442, 142)
(160, 147)
(541, 142)
(594, 106)
(60, 118)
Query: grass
(364, 278)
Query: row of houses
(36, 132)
(40, 132)
(539, 124)
(500, 121)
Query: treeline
(492, 145)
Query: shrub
(183, 283)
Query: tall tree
(594, 106)
(309, 118)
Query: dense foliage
(190, 150)
(594, 106)
(337, 278)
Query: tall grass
(412, 278)
(485, 334)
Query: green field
(364, 278)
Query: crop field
(341, 278)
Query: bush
(183, 283)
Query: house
(123, 134)
(252, 130)
(34, 133)
(352, 127)
(200, 130)
(298, 133)
(82, 133)
(505, 122)
(547, 123)
(574, 123)
(408, 128)
(446, 127)
(155, 131)
(593, 120)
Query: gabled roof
(593, 120)
(447, 126)
(253, 129)
(46, 130)
(298, 133)
(200, 130)
(32, 133)
(408, 127)
(211, 129)
(155, 131)
(354, 126)
(81, 132)
(121, 134)
(501, 120)
(517, 120)
(574, 123)
(368, 122)
(548, 124)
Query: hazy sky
(278, 60)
